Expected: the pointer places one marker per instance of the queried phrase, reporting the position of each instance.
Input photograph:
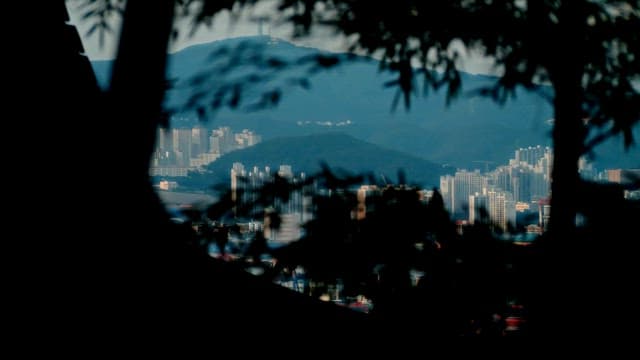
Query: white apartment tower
(477, 202)
(465, 183)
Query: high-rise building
(165, 140)
(501, 178)
(540, 186)
(182, 146)
(446, 190)
(237, 184)
(502, 209)
(199, 141)
(478, 203)
(222, 140)
(465, 183)
(509, 214)
(544, 213)
(214, 144)
(521, 182)
(285, 171)
(246, 138)
(531, 154)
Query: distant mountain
(351, 98)
(338, 150)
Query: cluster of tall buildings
(247, 192)
(522, 186)
(495, 196)
(180, 150)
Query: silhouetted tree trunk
(566, 68)
(156, 281)
(565, 65)
(137, 89)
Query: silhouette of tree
(397, 250)
(586, 50)
(592, 79)
(133, 265)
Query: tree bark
(568, 138)
(138, 84)
(566, 67)
(557, 286)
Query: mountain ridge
(472, 129)
(341, 152)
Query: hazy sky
(223, 27)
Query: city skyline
(469, 196)
(183, 149)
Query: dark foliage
(153, 275)
(467, 284)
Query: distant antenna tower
(260, 20)
(486, 164)
(384, 179)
